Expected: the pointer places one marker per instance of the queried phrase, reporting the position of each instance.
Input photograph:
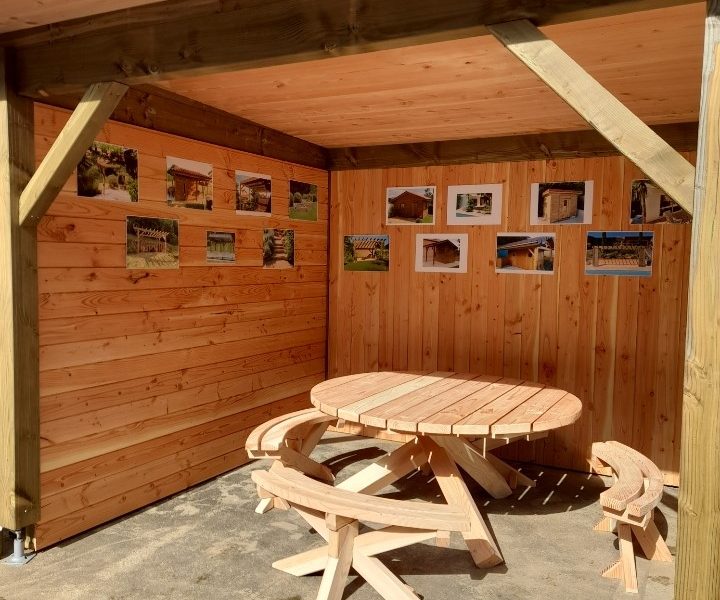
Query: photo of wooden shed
(137, 358)
(525, 252)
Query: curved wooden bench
(335, 514)
(630, 503)
(290, 438)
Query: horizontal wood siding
(152, 379)
(615, 342)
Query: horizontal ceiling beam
(196, 37)
(153, 108)
(557, 145)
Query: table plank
(520, 420)
(330, 399)
(352, 411)
(443, 421)
(401, 411)
(481, 421)
(564, 412)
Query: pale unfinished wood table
(457, 419)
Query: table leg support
(482, 547)
(475, 464)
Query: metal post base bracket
(18, 557)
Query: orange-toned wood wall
(151, 380)
(616, 342)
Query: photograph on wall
(189, 183)
(108, 172)
(253, 193)
(410, 205)
(303, 203)
(366, 253)
(525, 253)
(441, 253)
(152, 243)
(221, 247)
(561, 203)
(649, 204)
(278, 248)
(625, 253)
(474, 204)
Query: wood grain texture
(198, 38)
(151, 380)
(591, 336)
(19, 448)
(699, 520)
(69, 146)
(594, 103)
(468, 88)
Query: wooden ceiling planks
(24, 14)
(467, 88)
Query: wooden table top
(444, 402)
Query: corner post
(697, 574)
(19, 374)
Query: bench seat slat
(272, 434)
(297, 488)
(654, 489)
(629, 484)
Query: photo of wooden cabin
(561, 203)
(253, 193)
(410, 205)
(525, 252)
(443, 253)
(649, 204)
(189, 183)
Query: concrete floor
(209, 543)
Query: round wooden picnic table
(457, 419)
(442, 402)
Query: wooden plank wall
(616, 342)
(151, 380)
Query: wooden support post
(78, 134)
(19, 386)
(697, 574)
(633, 138)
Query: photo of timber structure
(625, 253)
(649, 204)
(253, 193)
(561, 203)
(525, 253)
(366, 253)
(474, 204)
(152, 243)
(441, 253)
(189, 183)
(410, 205)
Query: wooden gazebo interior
(120, 386)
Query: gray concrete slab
(209, 543)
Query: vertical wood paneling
(151, 380)
(616, 342)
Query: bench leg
(482, 547)
(340, 557)
(605, 524)
(511, 474)
(651, 542)
(624, 568)
(381, 578)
